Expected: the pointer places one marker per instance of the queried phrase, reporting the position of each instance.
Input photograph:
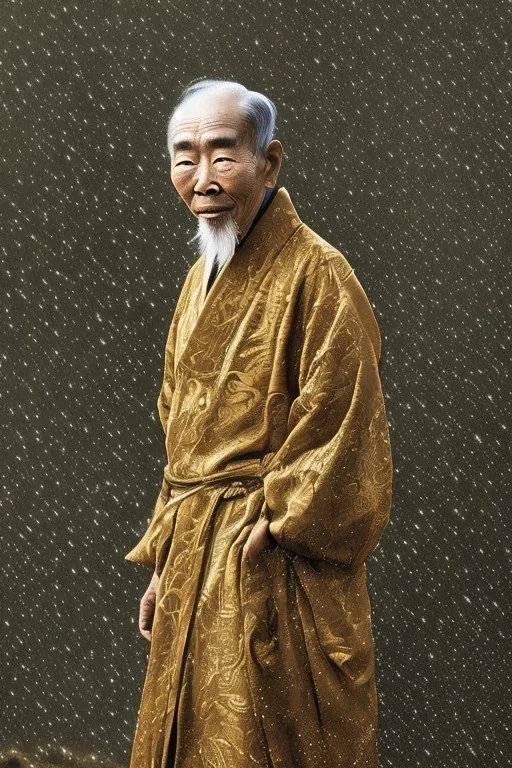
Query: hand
(259, 538)
(147, 608)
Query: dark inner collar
(267, 199)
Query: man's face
(214, 166)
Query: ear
(273, 158)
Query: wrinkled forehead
(209, 115)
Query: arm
(145, 551)
(328, 488)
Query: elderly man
(278, 479)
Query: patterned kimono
(271, 405)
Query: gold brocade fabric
(271, 405)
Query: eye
(222, 159)
(181, 162)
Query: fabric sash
(239, 480)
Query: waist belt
(239, 480)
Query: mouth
(212, 212)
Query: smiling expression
(214, 166)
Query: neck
(253, 214)
(267, 197)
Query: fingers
(254, 545)
(248, 553)
(146, 614)
(249, 549)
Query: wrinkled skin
(231, 176)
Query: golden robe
(271, 404)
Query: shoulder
(195, 271)
(191, 280)
(328, 275)
(319, 255)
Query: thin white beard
(218, 239)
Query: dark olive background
(395, 120)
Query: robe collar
(222, 309)
(266, 237)
(269, 195)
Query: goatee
(216, 237)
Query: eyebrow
(218, 142)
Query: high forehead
(210, 111)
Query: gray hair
(258, 110)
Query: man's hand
(147, 608)
(259, 538)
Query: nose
(205, 183)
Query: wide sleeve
(329, 486)
(145, 551)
